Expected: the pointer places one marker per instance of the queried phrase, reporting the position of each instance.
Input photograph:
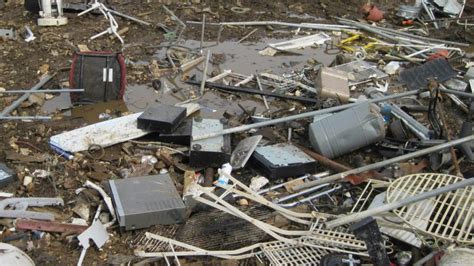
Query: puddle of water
(140, 97)
(244, 58)
(91, 113)
(241, 58)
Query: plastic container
(347, 131)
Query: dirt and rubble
(40, 171)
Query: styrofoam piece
(104, 134)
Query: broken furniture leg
(108, 15)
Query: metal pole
(300, 116)
(248, 35)
(458, 93)
(204, 72)
(314, 26)
(261, 89)
(319, 175)
(324, 160)
(44, 91)
(25, 96)
(202, 31)
(294, 195)
(25, 118)
(129, 17)
(397, 204)
(230, 88)
(340, 176)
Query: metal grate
(448, 216)
(211, 230)
(280, 253)
(146, 244)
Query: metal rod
(300, 116)
(254, 91)
(25, 118)
(458, 102)
(261, 89)
(340, 176)
(447, 19)
(202, 31)
(25, 96)
(310, 198)
(204, 72)
(416, 127)
(42, 91)
(179, 22)
(458, 93)
(397, 204)
(324, 160)
(248, 35)
(314, 26)
(421, 131)
(294, 195)
(319, 175)
(129, 17)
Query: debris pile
(221, 132)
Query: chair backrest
(102, 75)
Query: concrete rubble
(236, 132)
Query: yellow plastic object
(357, 42)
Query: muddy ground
(22, 63)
